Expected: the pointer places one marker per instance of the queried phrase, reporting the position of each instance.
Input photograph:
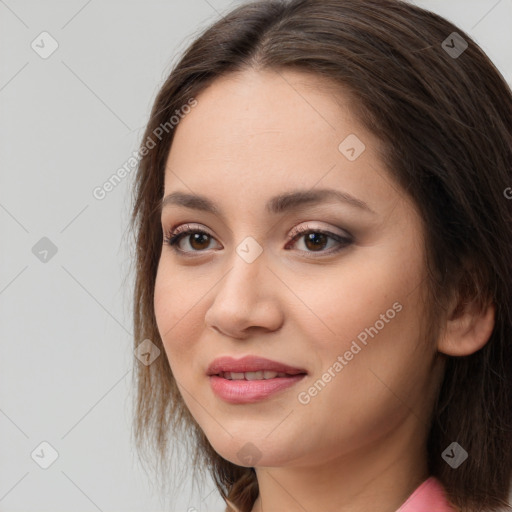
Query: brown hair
(445, 121)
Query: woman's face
(330, 287)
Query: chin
(255, 451)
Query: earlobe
(467, 331)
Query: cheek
(384, 369)
(177, 306)
(369, 314)
(336, 304)
(375, 387)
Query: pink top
(428, 497)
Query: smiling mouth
(257, 375)
(251, 379)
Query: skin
(360, 443)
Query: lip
(249, 364)
(250, 391)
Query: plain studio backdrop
(73, 110)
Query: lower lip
(250, 391)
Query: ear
(469, 326)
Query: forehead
(286, 106)
(256, 133)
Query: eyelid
(177, 230)
(305, 228)
(188, 226)
(301, 228)
(342, 239)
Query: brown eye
(198, 240)
(314, 241)
(317, 241)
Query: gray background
(67, 123)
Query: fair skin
(360, 443)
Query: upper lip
(249, 364)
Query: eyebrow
(287, 201)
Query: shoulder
(430, 495)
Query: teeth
(254, 375)
(259, 375)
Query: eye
(197, 238)
(315, 240)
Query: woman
(324, 239)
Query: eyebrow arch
(287, 201)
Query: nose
(245, 299)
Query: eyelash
(174, 237)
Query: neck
(379, 476)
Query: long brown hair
(445, 120)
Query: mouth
(251, 379)
(257, 375)
(251, 368)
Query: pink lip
(250, 391)
(249, 364)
